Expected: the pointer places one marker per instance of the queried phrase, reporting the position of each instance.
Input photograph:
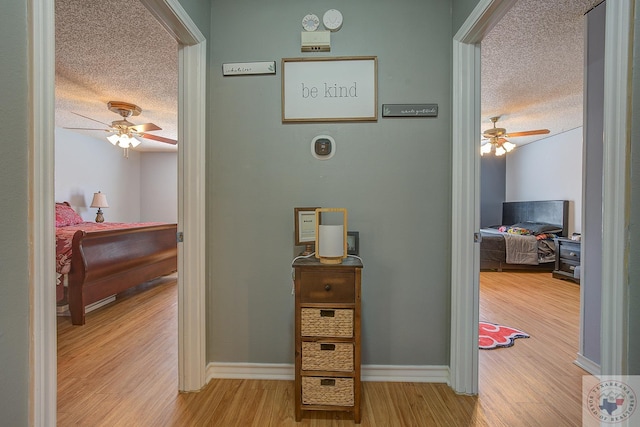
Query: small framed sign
(409, 110)
(248, 68)
(305, 226)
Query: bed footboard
(105, 263)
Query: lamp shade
(99, 200)
(331, 240)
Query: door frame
(466, 194)
(191, 202)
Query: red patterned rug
(492, 336)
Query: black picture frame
(353, 243)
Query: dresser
(567, 259)
(327, 336)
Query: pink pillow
(65, 215)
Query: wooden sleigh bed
(541, 221)
(104, 262)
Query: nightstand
(567, 259)
(327, 336)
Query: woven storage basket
(327, 356)
(327, 391)
(316, 322)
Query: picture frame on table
(305, 226)
(353, 243)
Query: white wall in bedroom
(84, 165)
(549, 169)
(159, 187)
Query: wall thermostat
(323, 147)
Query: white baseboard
(252, 371)
(285, 371)
(587, 364)
(406, 373)
(63, 310)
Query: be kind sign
(329, 89)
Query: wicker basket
(327, 391)
(327, 356)
(317, 322)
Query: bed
(95, 261)
(525, 239)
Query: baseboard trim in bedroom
(285, 371)
(63, 310)
(587, 364)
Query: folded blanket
(521, 249)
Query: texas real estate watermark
(610, 400)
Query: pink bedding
(64, 238)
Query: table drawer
(327, 391)
(568, 266)
(327, 287)
(570, 252)
(317, 322)
(318, 356)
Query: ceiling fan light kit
(497, 138)
(125, 134)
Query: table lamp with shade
(331, 240)
(99, 201)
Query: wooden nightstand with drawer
(567, 259)
(327, 341)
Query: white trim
(465, 221)
(465, 206)
(406, 373)
(42, 315)
(482, 19)
(286, 371)
(614, 330)
(191, 213)
(192, 56)
(253, 371)
(587, 364)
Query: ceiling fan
(496, 138)
(124, 133)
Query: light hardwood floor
(120, 369)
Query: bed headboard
(554, 212)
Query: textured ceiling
(533, 65)
(115, 50)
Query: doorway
(465, 189)
(191, 131)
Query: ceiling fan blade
(145, 127)
(159, 138)
(528, 133)
(104, 130)
(106, 124)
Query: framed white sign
(330, 89)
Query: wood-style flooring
(120, 369)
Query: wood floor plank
(120, 369)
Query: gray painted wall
(14, 251)
(591, 274)
(393, 176)
(493, 171)
(634, 212)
